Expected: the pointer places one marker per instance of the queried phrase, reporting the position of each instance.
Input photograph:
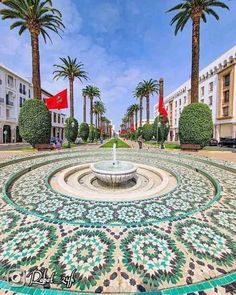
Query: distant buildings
(217, 88)
(14, 90)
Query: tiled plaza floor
(183, 242)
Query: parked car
(213, 142)
(229, 142)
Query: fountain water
(114, 172)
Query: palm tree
(147, 88)
(136, 109)
(84, 105)
(98, 109)
(70, 69)
(91, 92)
(194, 10)
(138, 93)
(130, 114)
(36, 16)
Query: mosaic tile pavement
(183, 242)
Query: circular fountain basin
(112, 174)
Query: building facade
(14, 90)
(217, 88)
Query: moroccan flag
(59, 101)
(161, 108)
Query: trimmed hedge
(35, 122)
(91, 133)
(195, 124)
(84, 131)
(147, 131)
(71, 133)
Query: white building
(217, 88)
(14, 90)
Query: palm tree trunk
(71, 83)
(141, 112)
(36, 66)
(84, 109)
(148, 108)
(195, 58)
(136, 119)
(91, 110)
(96, 120)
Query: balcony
(10, 103)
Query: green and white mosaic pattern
(182, 242)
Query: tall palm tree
(136, 109)
(194, 10)
(138, 93)
(91, 92)
(130, 113)
(36, 16)
(147, 88)
(84, 105)
(70, 69)
(98, 109)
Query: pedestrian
(140, 142)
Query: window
(176, 103)
(7, 99)
(180, 110)
(210, 100)
(10, 81)
(24, 92)
(20, 88)
(226, 96)
(0, 81)
(202, 90)
(62, 120)
(225, 111)
(59, 119)
(7, 113)
(54, 117)
(21, 102)
(226, 80)
(180, 101)
(185, 100)
(211, 87)
(29, 93)
(175, 121)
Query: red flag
(161, 108)
(59, 101)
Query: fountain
(114, 172)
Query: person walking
(140, 142)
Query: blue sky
(120, 42)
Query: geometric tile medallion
(180, 242)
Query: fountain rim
(105, 172)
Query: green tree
(195, 10)
(163, 129)
(91, 133)
(71, 130)
(35, 122)
(139, 94)
(70, 69)
(84, 131)
(36, 16)
(147, 88)
(91, 92)
(147, 131)
(195, 124)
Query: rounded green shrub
(91, 133)
(139, 131)
(195, 124)
(71, 130)
(84, 131)
(147, 131)
(35, 122)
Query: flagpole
(161, 94)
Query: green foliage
(147, 131)
(163, 129)
(35, 122)
(91, 133)
(97, 134)
(84, 131)
(139, 131)
(119, 143)
(195, 124)
(71, 133)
